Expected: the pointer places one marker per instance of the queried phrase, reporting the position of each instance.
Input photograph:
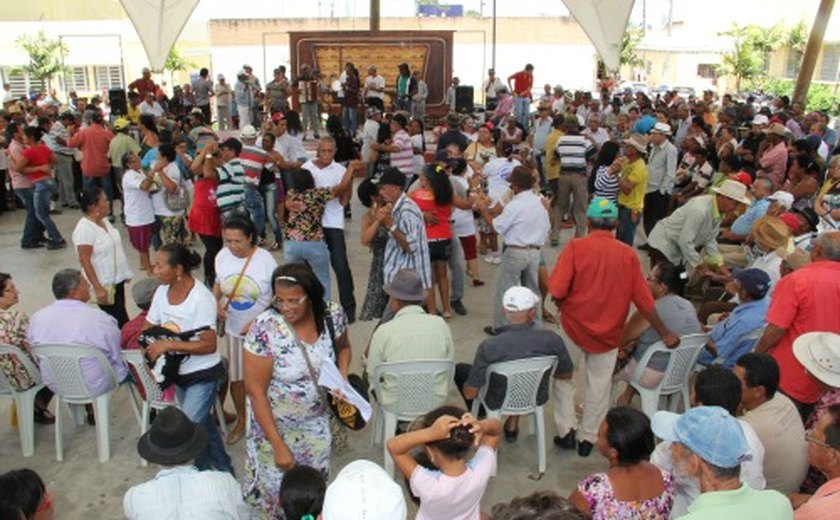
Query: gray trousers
(311, 117)
(223, 116)
(518, 267)
(458, 266)
(64, 176)
(573, 185)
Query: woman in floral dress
(375, 236)
(288, 422)
(13, 326)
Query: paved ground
(84, 488)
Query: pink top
(20, 180)
(774, 163)
(93, 141)
(454, 498)
(823, 504)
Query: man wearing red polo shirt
(523, 81)
(94, 142)
(593, 283)
(807, 300)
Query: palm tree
(44, 57)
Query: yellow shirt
(133, 114)
(552, 171)
(636, 172)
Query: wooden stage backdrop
(427, 51)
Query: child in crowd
(302, 493)
(455, 489)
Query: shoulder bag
(220, 322)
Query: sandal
(447, 316)
(549, 318)
(478, 283)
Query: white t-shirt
(173, 172)
(254, 292)
(154, 109)
(291, 146)
(196, 311)
(374, 81)
(497, 172)
(137, 204)
(108, 257)
(327, 178)
(454, 498)
(463, 221)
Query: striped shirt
(606, 185)
(253, 158)
(404, 159)
(231, 187)
(573, 151)
(409, 220)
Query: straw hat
(733, 190)
(639, 142)
(771, 232)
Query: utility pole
(374, 15)
(494, 35)
(812, 51)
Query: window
(108, 76)
(21, 83)
(77, 79)
(794, 61)
(707, 70)
(830, 60)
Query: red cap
(742, 177)
(277, 116)
(791, 220)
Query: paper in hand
(331, 378)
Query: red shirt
(93, 141)
(130, 332)
(37, 155)
(425, 200)
(595, 279)
(807, 300)
(522, 84)
(143, 86)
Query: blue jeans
(351, 120)
(626, 227)
(522, 111)
(338, 259)
(43, 192)
(316, 254)
(32, 228)
(196, 402)
(270, 194)
(254, 205)
(103, 182)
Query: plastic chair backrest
(415, 382)
(746, 343)
(523, 378)
(143, 377)
(8, 386)
(681, 361)
(64, 363)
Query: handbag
(220, 322)
(178, 200)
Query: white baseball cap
(220, 77)
(784, 198)
(760, 119)
(519, 298)
(249, 132)
(363, 491)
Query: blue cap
(709, 431)
(755, 281)
(602, 208)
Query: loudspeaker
(118, 101)
(463, 99)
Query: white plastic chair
(24, 400)
(523, 378)
(675, 380)
(63, 362)
(415, 383)
(154, 396)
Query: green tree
(176, 63)
(746, 60)
(629, 46)
(44, 57)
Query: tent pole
(812, 51)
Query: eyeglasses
(289, 304)
(809, 437)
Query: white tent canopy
(158, 23)
(605, 22)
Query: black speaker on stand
(118, 101)
(464, 99)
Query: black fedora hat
(173, 439)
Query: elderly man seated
(725, 345)
(412, 334)
(776, 421)
(708, 445)
(69, 319)
(521, 339)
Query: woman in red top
(435, 197)
(36, 162)
(205, 220)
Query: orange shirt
(595, 279)
(93, 141)
(823, 504)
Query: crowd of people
(739, 206)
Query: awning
(158, 23)
(605, 22)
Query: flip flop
(549, 318)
